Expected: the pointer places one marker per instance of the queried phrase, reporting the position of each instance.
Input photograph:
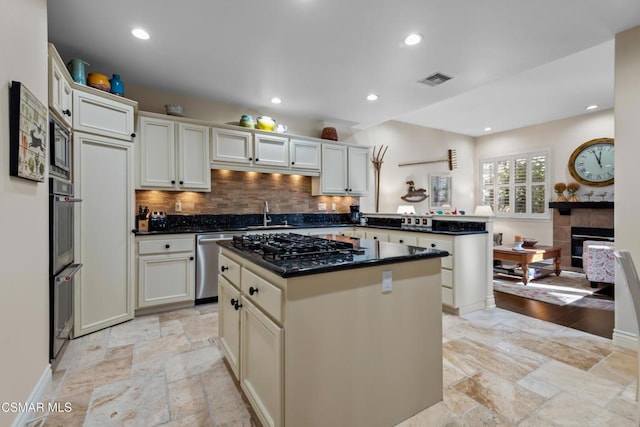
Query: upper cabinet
(104, 114)
(60, 94)
(345, 171)
(264, 152)
(304, 155)
(172, 155)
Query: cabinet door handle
(375, 237)
(257, 159)
(250, 158)
(346, 189)
(133, 135)
(401, 241)
(234, 301)
(293, 163)
(191, 258)
(181, 182)
(224, 268)
(433, 245)
(350, 190)
(173, 181)
(253, 290)
(237, 305)
(67, 112)
(167, 246)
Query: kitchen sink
(269, 227)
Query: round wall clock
(592, 162)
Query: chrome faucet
(265, 218)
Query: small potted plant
(572, 189)
(559, 188)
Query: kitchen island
(347, 335)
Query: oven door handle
(68, 273)
(67, 199)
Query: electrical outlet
(333, 207)
(178, 206)
(387, 281)
(322, 206)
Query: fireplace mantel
(564, 208)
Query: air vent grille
(435, 79)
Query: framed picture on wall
(440, 188)
(27, 134)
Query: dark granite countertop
(426, 230)
(367, 253)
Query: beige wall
(153, 100)
(407, 143)
(627, 116)
(24, 289)
(560, 137)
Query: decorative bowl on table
(528, 242)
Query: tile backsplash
(244, 193)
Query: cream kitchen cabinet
(404, 238)
(305, 155)
(103, 179)
(173, 155)
(381, 236)
(60, 93)
(251, 340)
(462, 290)
(230, 146)
(166, 270)
(102, 113)
(345, 171)
(233, 147)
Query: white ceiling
(514, 63)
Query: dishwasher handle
(212, 239)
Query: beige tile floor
(500, 369)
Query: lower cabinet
(166, 271)
(251, 340)
(261, 363)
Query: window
(516, 186)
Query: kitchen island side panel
(355, 356)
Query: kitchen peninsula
(348, 334)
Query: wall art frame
(27, 134)
(441, 192)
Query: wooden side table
(527, 256)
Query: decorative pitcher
(117, 87)
(77, 69)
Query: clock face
(592, 162)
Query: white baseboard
(625, 339)
(37, 394)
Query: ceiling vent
(435, 79)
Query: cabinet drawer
(165, 246)
(263, 293)
(428, 242)
(447, 296)
(447, 262)
(229, 269)
(447, 278)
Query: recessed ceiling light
(140, 33)
(276, 100)
(413, 39)
(592, 107)
(487, 129)
(372, 97)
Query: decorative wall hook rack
(451, 160)
(376, 159)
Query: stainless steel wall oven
(61, 265)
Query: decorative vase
(573, 197)
(117, 87)
(77, 69)
(266, 123)
(247, 121)
(560, 196)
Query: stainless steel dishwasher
(207, 251)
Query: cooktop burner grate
(290, 246)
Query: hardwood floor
(592, 320)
